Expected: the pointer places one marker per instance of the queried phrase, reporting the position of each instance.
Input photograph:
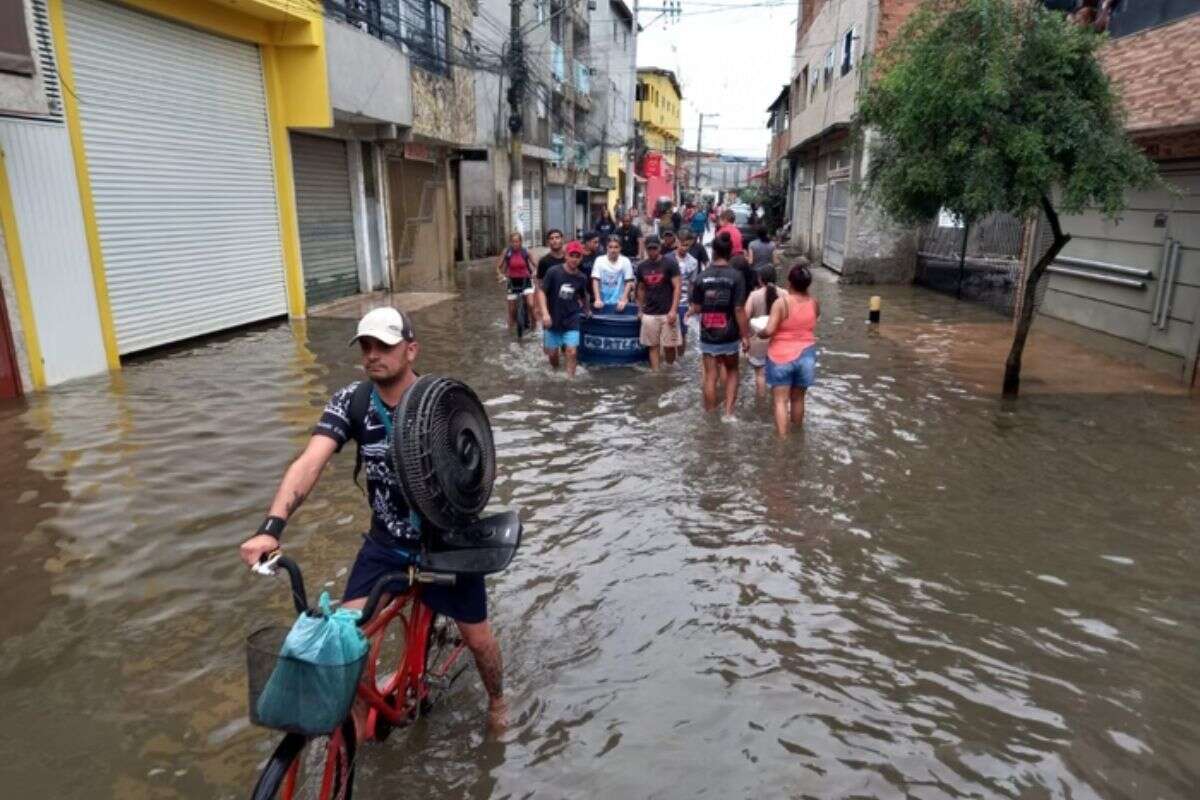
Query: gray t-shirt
(761, 252)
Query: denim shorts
(798, 374)
(724, 349)
(552, 340)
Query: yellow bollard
(876, 308)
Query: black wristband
(273, 526)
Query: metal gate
(326, 219)
(182, 174)
(836, 203)
(556, 208)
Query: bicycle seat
(481, 548)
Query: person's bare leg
(731, 384)
(709, 383)
(779, 397)
(669, 354)
(572, 357)
(512, 313)
(760, 382)
(655, 357)
(552, 354)
(532, 312)
(798, 396)
(483, 645)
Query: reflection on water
(926, 593)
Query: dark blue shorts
(465, 601)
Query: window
(848, 51)
(539, 7)
(614, 31)
(16, 54)
(828, 71)
(815, 83)
(427, 34)
(803, 94)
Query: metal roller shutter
(326, 220)
(175, 129)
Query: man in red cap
(562, 298)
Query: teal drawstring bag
(307, 681)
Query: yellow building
(147, 196)
(659, 119)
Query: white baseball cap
(386, 324)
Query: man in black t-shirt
(563, 301)
(389, 348)
(658, 287)
(591, 251)
(555, 257)
(630, 237)
(718, 300)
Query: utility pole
(516, 101)
(699, 139)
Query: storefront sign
(652, 166)
(415, 151)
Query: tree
(980, 106)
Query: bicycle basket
(443, 452)
(296, 696)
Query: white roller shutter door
(326, 218)
(179, 156)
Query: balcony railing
(421, 26)
(379, 18)
(583, 78)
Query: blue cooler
(609, 337)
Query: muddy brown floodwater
(928, 594)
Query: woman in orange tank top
(792, 352)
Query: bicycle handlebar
(271, 561)
(299, 596)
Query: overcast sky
(731, 58)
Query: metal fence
(989, 273)
(481, 231)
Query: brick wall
(892, 15)
(1158, 74)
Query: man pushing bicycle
(363, 411)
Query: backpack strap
(360, 402)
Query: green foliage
(989, 105)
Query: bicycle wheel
(310, 757)
(522, 316)
(445, 660)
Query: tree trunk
(1012, 366)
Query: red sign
(653, 165)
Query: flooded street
(927, 594)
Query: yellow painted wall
(613, 170)
(661, 113)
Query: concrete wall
(369, 80)
(836, 102)
(444, 106)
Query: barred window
(427, 34)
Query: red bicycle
(428, 661)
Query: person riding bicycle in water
(389, 348)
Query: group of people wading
(674, 281)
